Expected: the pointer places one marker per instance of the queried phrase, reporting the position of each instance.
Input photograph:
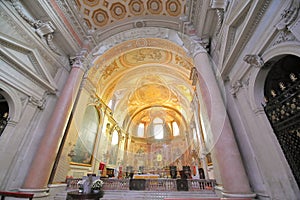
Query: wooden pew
(4, 194)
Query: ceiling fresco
(145, 82)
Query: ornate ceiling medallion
(118, 11)
(88, 23)
(100, 17)
(86, 11)
(139, 24)
(91, 3)
(173, 8)
(155, 6)
(136, 7)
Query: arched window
(110, 104)
(141, 130)
(175, 129)
(86, 137)
(115, 138)
(114, 148)
(158, 128)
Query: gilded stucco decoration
(128, 53)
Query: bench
(4, 194)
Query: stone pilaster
(41, 167)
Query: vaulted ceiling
(146, 80)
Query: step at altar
(158, 195)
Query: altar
(146, 176)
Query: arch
(139, 35)
(259, 75)
(281, 90)
(14, 102)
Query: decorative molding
(89, 86)
(195, 48)
(254, 60)
(19, 66)
(139, 24)
(289, 29)
(289, 15)
(234, 25)
(77, 61)
(234, 88)
(44, 30)
(5, 14)
(40, 103)
(250, 27)
(219, 6)
(284, 36)
(113, 11)
(76, 25)
(220, 14)
(134, 34)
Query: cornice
(270, 40)
(67, 22)
(67, 10)
(19, 66)
(252, 23)
(30, 38)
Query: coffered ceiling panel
(100, 14)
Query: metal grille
(283, 111)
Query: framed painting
(84, 146)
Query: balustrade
(150, 185)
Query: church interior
(160, 99)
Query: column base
(238, 196)
(37, 192)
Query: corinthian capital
(195, 47)
(78, 59)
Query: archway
(4, 113)
(282, 97)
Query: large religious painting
(84, 147)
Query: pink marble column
(232, 172)
(40, 170)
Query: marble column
(41, 166)
(232, 172)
